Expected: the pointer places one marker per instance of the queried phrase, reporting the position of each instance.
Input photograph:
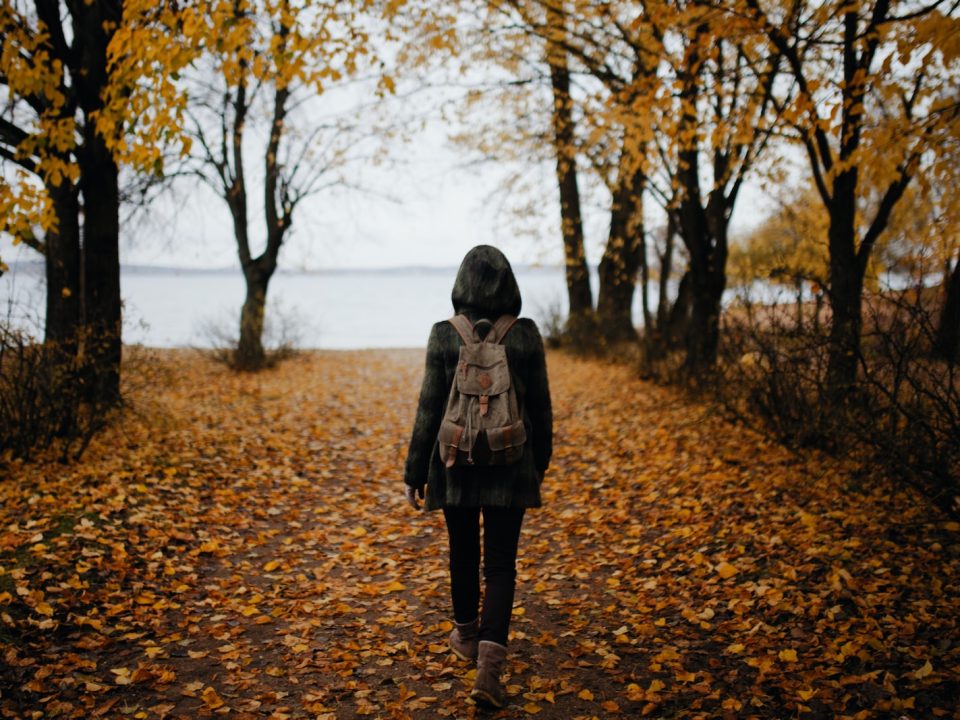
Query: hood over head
(486, 285)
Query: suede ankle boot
(487, 689)
(463, 640)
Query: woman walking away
(481, 444)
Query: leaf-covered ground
(239, 546)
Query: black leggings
(501, 533)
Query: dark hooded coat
(485, 288)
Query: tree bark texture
(278, 209)
(948, 329)
(666, 268)
(101, 270)
(99, 187)
(846, 289)
(580, 297)
(704, 232)
(250, 352)
(62, 264)
(622, 258)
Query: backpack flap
(484, 375)
(449, 439)
(507, 440)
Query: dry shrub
(903, 414)
(282, 336)
(42, 403)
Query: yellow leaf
(585, 695)
(123, 675)
(532, 708)
(211, 699)
(788, 655)
(395, 586)
(726, 570)
(735, 648)
(44, 608)
(655, 686)
(271, 566)
(923, 671)
(610, 706)
(806, 694)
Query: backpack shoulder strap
(500, 328)
(464, 328)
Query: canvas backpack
(482, 424)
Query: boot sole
(482, 697)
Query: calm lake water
(335, 310)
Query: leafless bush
(904, 411)
(914, 413)
(553, 320)
(282, 336)
(42, 402)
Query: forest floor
(239, 546)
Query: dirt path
(239, 546)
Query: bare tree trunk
(100, 190)
(250, 352)
(101, 271)
(278, 208)
(580, 297)
(666, 268)
(704, 232)
(708, 281)
(947, 344)
(678, 320)
(645, 284)
(621, 258)
(846, 289)
(62, 262)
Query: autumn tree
(520, 110)
(714, 121)
(533, 41)
(615, 72)
(690, 92)
(264, 61)
(873, 87)
(787, 248)
(54, 70)
(63, 67)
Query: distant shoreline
(36, 267)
